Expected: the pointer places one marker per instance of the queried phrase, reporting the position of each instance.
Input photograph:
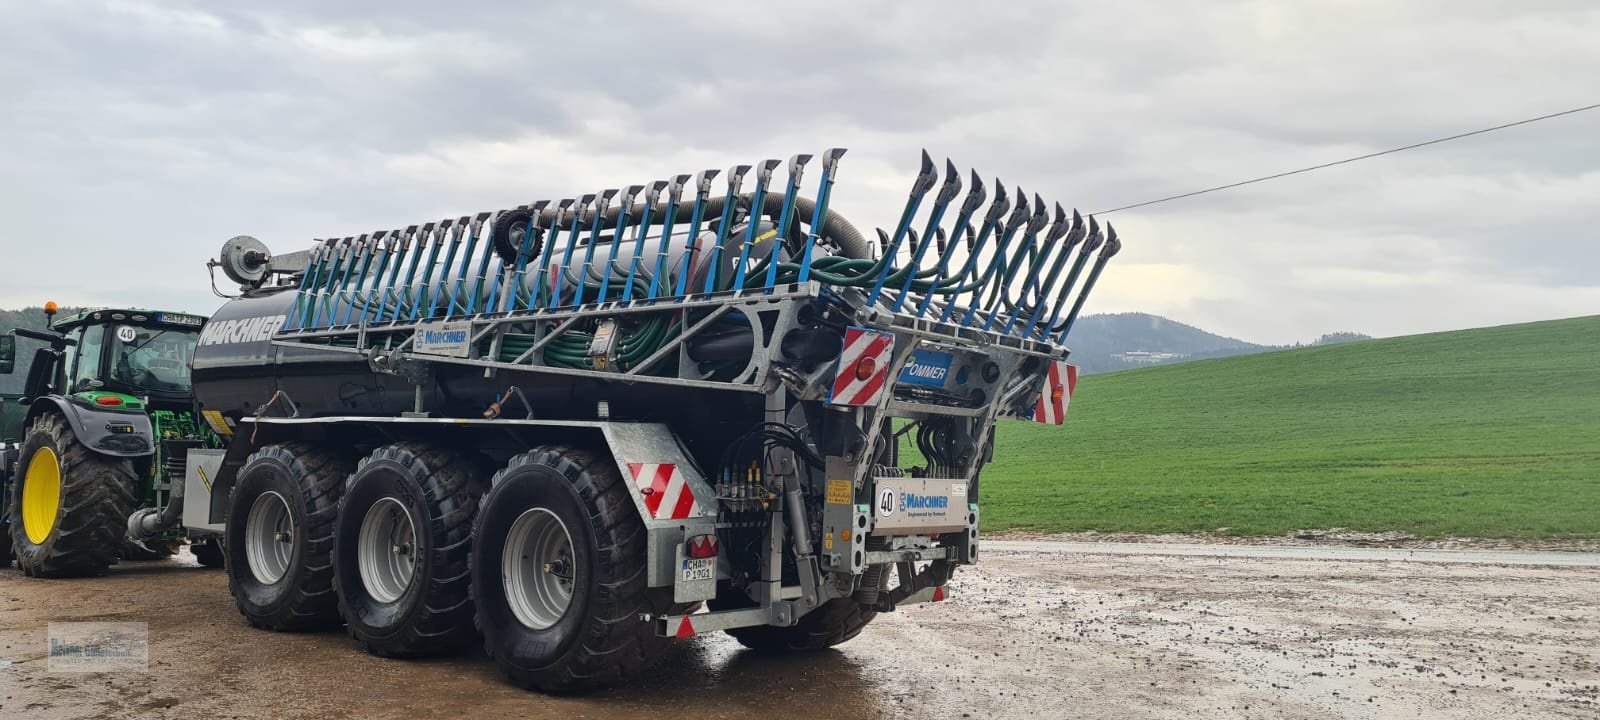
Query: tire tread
(444, 622)
(321, 476)
(614, 644)
(96, 499)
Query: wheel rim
(41, 495)
(269, 537)
(537, 568)
(386, 550)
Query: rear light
(1057, 393)
(865, 367)
(108, 400)
(702, 547)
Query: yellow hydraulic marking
(217, 422)
(768, 235)
(840, 492)
(41, 495)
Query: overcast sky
(136, 136)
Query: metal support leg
(785, 470)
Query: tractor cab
(135, 359)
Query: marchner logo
(437, 337)
(913, 501)
(256, 329)
(443, 338)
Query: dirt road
(1038, 630)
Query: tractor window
(86, 360)
(155, 359)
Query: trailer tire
(208, 552)
(598, 638)
(277, 583)
(834, 622)
(92, 500)
(414, 601)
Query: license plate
(177, 319)
(699, 569)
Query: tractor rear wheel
(70, 504)
(208, 552)
(279, 537)
(558, 574)
(401, 549)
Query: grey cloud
(142, 133)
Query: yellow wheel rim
(41, 495)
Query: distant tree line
(31, 318)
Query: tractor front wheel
(150, 550)
(5, 545)
(70, 505)
(208, 552)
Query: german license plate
(699, 569)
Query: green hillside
(1491, 433)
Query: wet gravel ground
(1035, 631)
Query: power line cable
(1351, 160)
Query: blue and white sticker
(450, 339)
(930, 368)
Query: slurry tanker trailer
(574, 430)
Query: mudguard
(118, 433)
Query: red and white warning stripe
(666, 495)
(863, 372)
(1059, 382)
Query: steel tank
(239, 372)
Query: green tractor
(108, 419)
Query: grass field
(1492, 432)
